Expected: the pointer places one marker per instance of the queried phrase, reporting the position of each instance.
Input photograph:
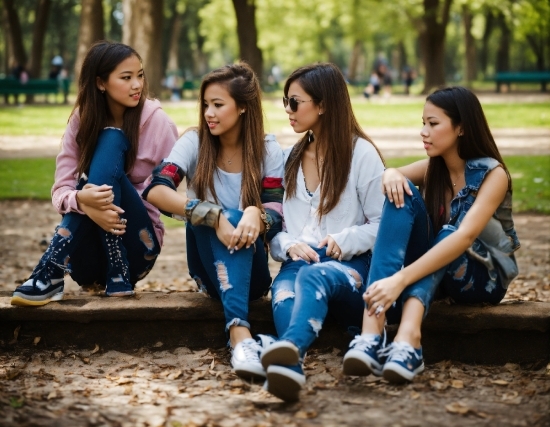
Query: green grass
(51, 120)
(33, 178)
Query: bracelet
(267, 220)
(198, 212)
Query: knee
(113, 138)
(233, 216)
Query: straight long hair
(243, 86)
(338, 132)
(100, 61)
(464, 110)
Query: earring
(320, 113)
(242, 112)
(102, 91)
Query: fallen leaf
(500, 382)
(457, 408)
(15, 335)
(158, 344)
(95, 350)
(437, 385)
(306, 414)
(17, 403)
(176, 375)
(36, 340)
(52, 395)
(414, 395)
(212, 364)
(457, 384)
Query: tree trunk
(173, 51)
(142, 30)
(433, 42)
(537, 46)
(16, 49)
(354, 60)
(471, 70)
(91, 30)
(38, 36)
(245, 11)
(489, 26)
(503, 51)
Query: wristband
(198, 212)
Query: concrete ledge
(516, 332)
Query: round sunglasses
(293, 102)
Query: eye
(141, 75)
(218, 105)
(433, 124)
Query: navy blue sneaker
(285, 382)
(403, 362)
(362, 358)
(38, 291)
(118, 287)
(280, 353)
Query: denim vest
(496, 244)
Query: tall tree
(503, 51)
(91, 30)
(432, 38)
(142, 29)
(175, 27)
(17, 54)
(248, 35)
(471, 63)
(38, 36)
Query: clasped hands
(302, 251)
(96, 201)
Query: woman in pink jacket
(109, 235)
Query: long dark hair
(338, 131)
(464, 110)
(100, 61)
(243, 86)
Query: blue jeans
(95, 256)
(304, 293)
(233, 278)
(407, 233)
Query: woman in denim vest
(332, 210)
(456, 234)
(232, 205)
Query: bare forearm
(167, 200)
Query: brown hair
(100, 61)
(338, 132)
(464, 109)
(243, 86)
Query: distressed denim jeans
(94, 254)
(404, 235)
(233, 278)
(303, 294)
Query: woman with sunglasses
(456, 236)
(232, 207)
(332, 208)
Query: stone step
(517, 332)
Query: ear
(321, 106)
(99, 84)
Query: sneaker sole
(23, 302)
(397, 374)
(284, 383)
(280, 353)
(120, 294)
(249, 374)
(358, 363)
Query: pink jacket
(157, 137)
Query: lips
(136, 96)
(292, 122)
(212, 125)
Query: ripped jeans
(233, 278)
(303, 294)
(404, 235)
(97, 256)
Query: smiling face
(123, 86)
(307, 115)
(221, 112)
(439, 135)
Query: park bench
(11, 86)
(508, 77)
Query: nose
(208, 111)
(137, 83)
(423, 131)
(287, 109)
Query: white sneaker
(245, 360)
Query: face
(438, 133)
(307, 115)
(124, 85)
(221, 111)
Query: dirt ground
(152, 387)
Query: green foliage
(33, 178)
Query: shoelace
(43, 269)
(361, 343)
(252, 350)
(398, 351)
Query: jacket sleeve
(64, 187)
(272, 186)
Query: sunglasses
(293, 102)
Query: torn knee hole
(283, 295)
(223, 276)
(63, 232)
(146, 239)
(460, 271)
(357, 277)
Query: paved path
(393, 142)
